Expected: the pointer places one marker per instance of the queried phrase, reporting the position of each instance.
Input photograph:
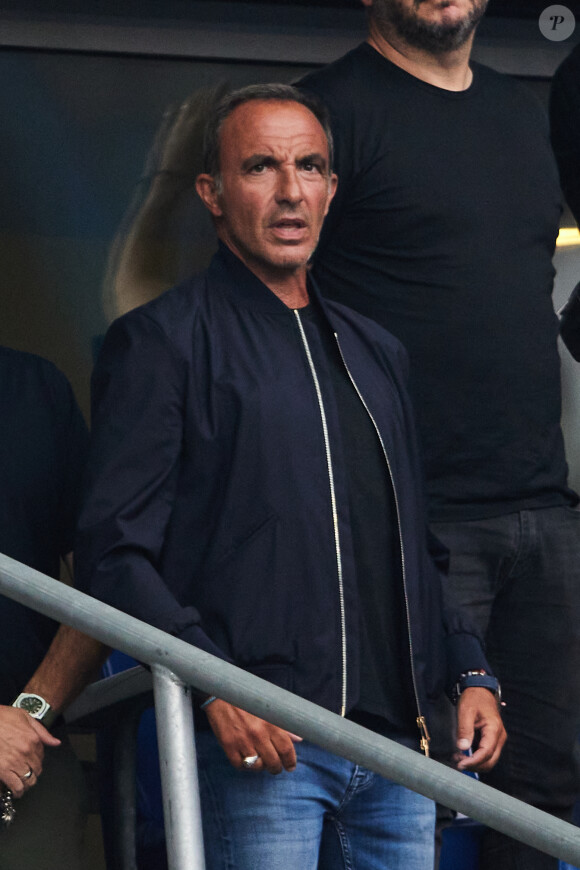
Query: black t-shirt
(443, 229)
(385, 672)
(43, 444)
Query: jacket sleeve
(464, 648)
(134, 458)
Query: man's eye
(258, 168)
(310, 166)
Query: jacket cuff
(197, 637)
(464, 653)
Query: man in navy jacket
(254, 489)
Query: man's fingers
(487, 754)
(270, 758)
(45, 736)
(21, 772)
(477, 711)
(243, 735)
(274, 752)
(284, 744)
(273, 746)
(29, 779)
(19, 781)
(483, 759)
(12, 781)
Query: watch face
(33, 705)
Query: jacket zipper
(334, 510)
(421, 721)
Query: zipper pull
(425, 738)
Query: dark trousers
(49, 826)
(519, 576)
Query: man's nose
(288, 189)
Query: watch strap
(476, 679)
(483, 681)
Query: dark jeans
(519, 576)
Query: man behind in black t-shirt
(43, 445)
(443, 230)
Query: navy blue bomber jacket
(216, 506)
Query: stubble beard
(429, 36)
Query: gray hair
(273, 92)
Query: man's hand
(241, 735)
(477, 710)
(22, 742)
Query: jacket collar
(244, 288)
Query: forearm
(73, 660)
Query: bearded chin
(430, 36)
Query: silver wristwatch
(36, 706)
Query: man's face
(436, 26)
(275, 186)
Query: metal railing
(176, 665)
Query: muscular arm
(72, 660)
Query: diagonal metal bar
(213, 676)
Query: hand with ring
(22, 742)
(249, 742)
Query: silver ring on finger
(27, 775)
(250, 760)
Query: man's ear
(207, 192)
(332, 184)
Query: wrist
(476, 679)
(37, 707)
(209, 700)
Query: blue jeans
(329, 814)
(519, 576)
